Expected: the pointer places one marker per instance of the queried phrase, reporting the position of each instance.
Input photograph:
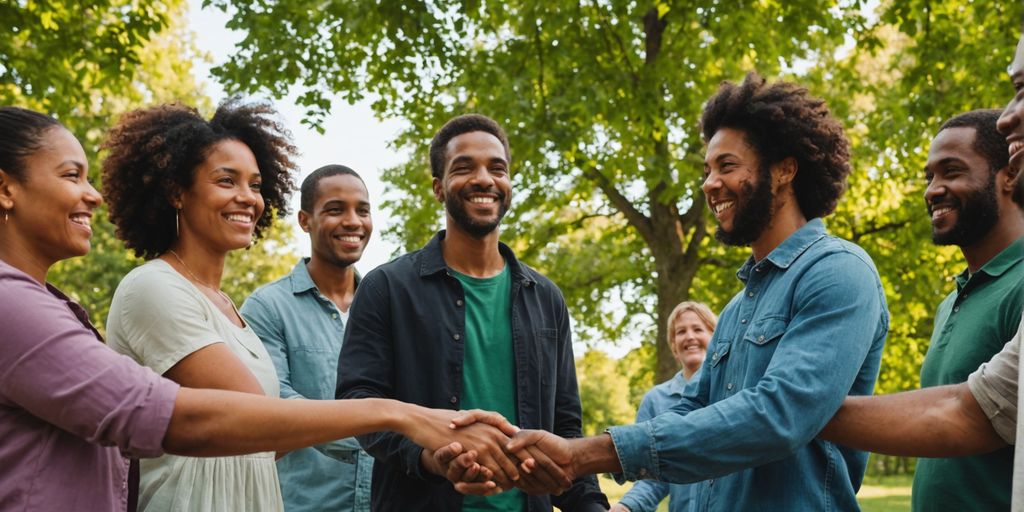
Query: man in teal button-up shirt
(301, 320)
(806, 330)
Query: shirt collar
(998, 265)
(432, 260)
(789, 250)
(302, 282)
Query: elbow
(188, 432)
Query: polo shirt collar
(432, 260)
(998, 265)
(790, 249)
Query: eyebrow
(721, 157)
(76, 163)
(333, 202)
(946, 161)
(466, 158)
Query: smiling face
(736, 190)
(961, 193)
(1010, 122)
(221, 207)
(339, 224)
(475, 187)
(51, 208)
(689, 340)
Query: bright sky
(353, 136)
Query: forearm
(220, 423)
(944, 421)
(593, 455)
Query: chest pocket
(719, 353)
(766, 330)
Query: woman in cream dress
(183, 193)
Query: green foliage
(88, 65)
(601, 102)
(604, 393)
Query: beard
(478, 228)
(753, 216)
(976, 216)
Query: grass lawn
(878, 494)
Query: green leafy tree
(604, 393)
(88, 64)
(600, 100)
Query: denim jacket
(403, 341)
(806, 331)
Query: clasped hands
(488, 455)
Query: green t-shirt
(488, 365)
(971, 325)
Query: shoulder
(276, 290)
(835, 250)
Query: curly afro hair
(155, 151)
(780, 121)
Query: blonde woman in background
(690, 327)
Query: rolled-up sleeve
(54, 366)
(994, 386)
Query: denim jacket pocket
(721, 350)
(766, 330)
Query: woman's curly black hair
(780, 121)
(155, 151)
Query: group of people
(189, 401)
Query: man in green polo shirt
(971, 202)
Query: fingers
(540, 472)
(465, 418)
(478, 488)
(619, 507)
(525, 438)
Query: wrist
(592, 455)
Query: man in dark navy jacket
(462, 324)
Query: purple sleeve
(56, 368)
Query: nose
(482, 177)
(350, 219)
(247, 195)
(711, 182)
(935, 189)
(92, 196)
(1008, 120)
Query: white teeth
(81, 219)
(349, 238)
(938, 212)
(720, 207)
(481, 200)
(240, 218)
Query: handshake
(486, 455)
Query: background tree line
(601, 99)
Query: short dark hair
(155, 151)
(21, 134)
(988, 142)
(309, 193)
(782, 120)
(459, 125)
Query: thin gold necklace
(200, 281)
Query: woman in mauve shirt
(72, 410)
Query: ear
(438, 189)
(783, 171)
(8, 190)
(304, 221)
(1011, 177)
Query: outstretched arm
(214, 423)
(943, 421)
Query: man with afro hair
(806, 330)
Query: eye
(365, 212)
(72, 173)
(225, 180)
(256, 186)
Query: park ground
(878, 494)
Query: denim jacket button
(743, 321)
(750, 294)
(714, 357)
(729, 386)
(760, 338)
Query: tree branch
(622, 203)
(857, 235)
